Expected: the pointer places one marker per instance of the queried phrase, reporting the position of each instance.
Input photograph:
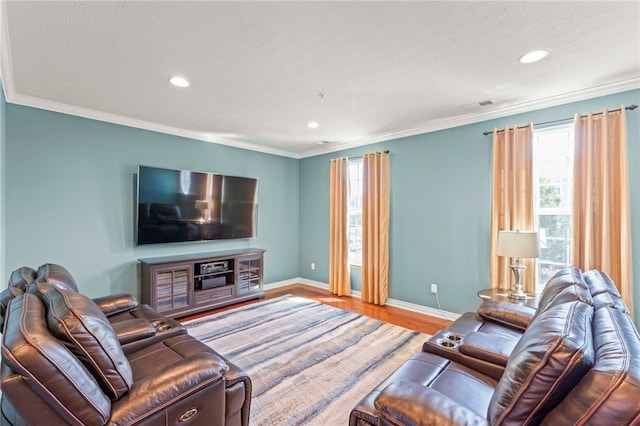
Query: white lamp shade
(518, 244)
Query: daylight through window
(355, 211)
(553, 198)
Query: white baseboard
(391, 302)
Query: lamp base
(517, 294)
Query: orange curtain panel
(512, 200)
(339, 279)
(601, 231)
(375, 227)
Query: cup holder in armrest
(160, 325)
(451, 340)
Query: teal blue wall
(70, 193)
(68, 197)
(440, 207)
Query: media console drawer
(203, 296)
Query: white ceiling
(259, 71)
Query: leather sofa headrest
(604, 291)
(57, 276)
(22, 277)
(599, 282)
(567, 285)
(76, 320)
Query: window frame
(565, 193)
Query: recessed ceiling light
(179, 81)
(534, 56)
(313, 125)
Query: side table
(502, 295)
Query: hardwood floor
(401, 317)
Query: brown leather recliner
(63, 362)
(576, 363)
(484, 340)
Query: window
(553, 198)
(355, 212)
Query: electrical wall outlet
(313, 266)
(434, 288)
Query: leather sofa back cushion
(553, 354)
(76, 320)
(566, 285)
(57, 276)
(608, 393)
(30, 350)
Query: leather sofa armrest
(488, 347)
(133, 329)
(116, 303)
(413, 404)
(507, 313)
(157, 391)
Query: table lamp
(518, 244)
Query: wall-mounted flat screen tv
(182, 205)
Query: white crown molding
(132, 122)
(390, 302)
(432, 126)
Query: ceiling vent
(479, 104)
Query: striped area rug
(309, 363)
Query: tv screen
(182, 205)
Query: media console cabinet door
(171, 288)
(249, 273)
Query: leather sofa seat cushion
(161, 355)
(430, 372)
(76, 320)
(554, 353)
(609, 393)
(57, 276)
(56, 375)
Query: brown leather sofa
(69, 360)
(576, 361)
